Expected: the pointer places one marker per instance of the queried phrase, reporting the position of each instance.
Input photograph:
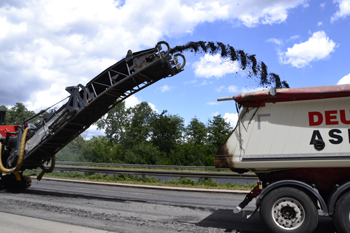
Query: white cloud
(153, 107)
(46, 98)
(232, 88)
(197, 84)
(131, 101)
(318, 47)
(214, 66)
(237, 90)
(252, 13)
(92, 131)
(275, 41)
(344, 9)
(319, 24)
(344, 80)
(213, 103)
(194, 81)
(293, 38)
(219, 89)
(205, 82)
(67, 42)
(231, 118)
(248, 90)
(9, 29)
(165, 88)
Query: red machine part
(5, 130)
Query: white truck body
(279, 132)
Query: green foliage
(101, 150)
(114, 123)
(189, 154)
(196, 132)
(3, 107)
(139, 135)
(137, 128)
(146, 137)
(166, 131)
(209, 182)
(142, 153)
(97, 149)
(17, 114)
(218, 131)
(182, 181)
(72, 151)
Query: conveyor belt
(89, 103)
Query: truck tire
(288, 210)
(341, 216)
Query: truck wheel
(288, 210)
(341, 215)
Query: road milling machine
(30, 146)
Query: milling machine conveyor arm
(87, 104)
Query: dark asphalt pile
(256, 69)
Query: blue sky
(48, 45)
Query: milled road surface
(19, 224)
(122, 209)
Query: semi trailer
(297, 141)
(32, 145)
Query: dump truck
(32, 145)
(297, 142)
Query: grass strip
(151, 168)
(143, 179)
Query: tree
(193, 149)
(196, 132)
(17, 114)
(142, 153)
(3, 107)
(101, 150)
(72, 151)
(114, 123)
(189, 154)
(166, 131)
(137, 127)
(139, 135)
(218, 131)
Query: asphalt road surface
(67, 207)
